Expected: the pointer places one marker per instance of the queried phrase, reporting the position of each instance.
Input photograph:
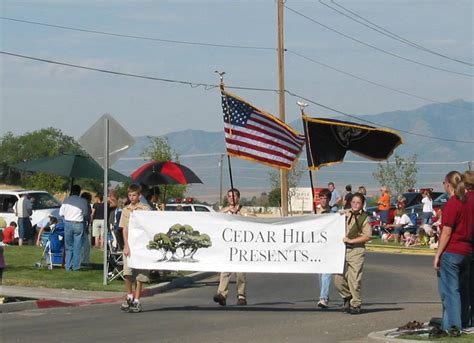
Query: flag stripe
(260, 158)
(259, 132)
(257, 135)
(263, 149)
(264, 121)
(249, 134)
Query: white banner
(228, 243)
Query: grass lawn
(21, 271)
(377, 241)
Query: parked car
(43, 204)
(189, 207)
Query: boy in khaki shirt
(133, 299)
(358, 232)
(233, 196)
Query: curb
(147, 292)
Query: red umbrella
(164, 173)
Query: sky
(36, 95)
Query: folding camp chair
(115, 258)
(53, 252)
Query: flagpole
(221, 76)
(302, 105)
(281, 103)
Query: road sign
(119, 140)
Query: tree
(181, 240)
(398, 176)
(160, 150)
(33, 145)
(274, 197)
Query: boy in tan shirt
(132, 303)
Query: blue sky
(36, 95)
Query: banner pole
(302, 105)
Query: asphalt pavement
(282, 308)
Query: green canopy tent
(73, 166)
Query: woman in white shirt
(400, 223)
(427, 207)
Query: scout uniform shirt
(125, 218)
(357, 225)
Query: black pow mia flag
(328, 140)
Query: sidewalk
(53, 297)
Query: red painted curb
(52, 303)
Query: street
(282, 308)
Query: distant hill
(201, 150)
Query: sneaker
(323, 303)
(241, 302)
(354, 310)
(126, 305)
(219, 298)
(135, 307)
(347, 305)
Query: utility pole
(221, 164)
(281, 107)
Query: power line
(372, 82)
(211, 86)
(206, 86)
(388, 33)
(374, 47)
(230, 46)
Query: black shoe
(241, 302)
(354, 310)
(126, 305)
(437, 332)
(219, 298)
(135, 307)
(347, 305)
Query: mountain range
(449, 122)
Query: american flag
(255, 135)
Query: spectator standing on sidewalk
(73, 210)
(348, 197)
(427, 207)
(324, 279)
(469, 183)
(336, 198)
(132, 303)
(358, 232)
(86, 238)
(383, 204)
(453, 256)
(233, 196)
(362, 190)
(2, 258)
(23, 210)
(98, 223)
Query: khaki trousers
(224, 284)
(348, 284)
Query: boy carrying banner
(358, 232)
(233, 196)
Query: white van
(189, 207)
(43, 204)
